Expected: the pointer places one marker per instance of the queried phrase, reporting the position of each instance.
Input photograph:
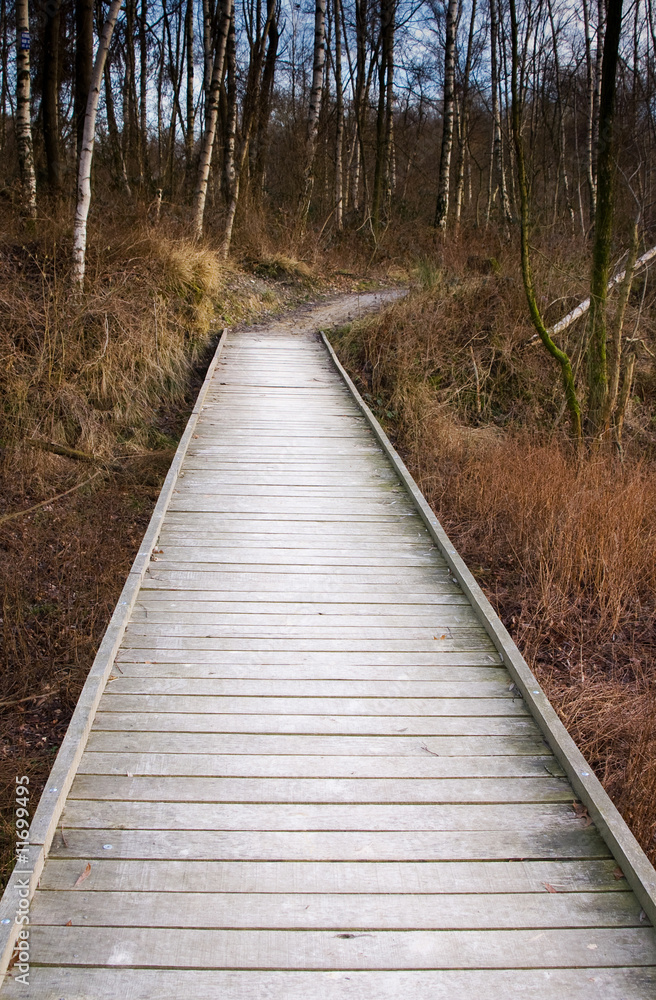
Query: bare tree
(463, 120)
(86, 152)
(339, 112)
(50, 103)
(83, 64)
(23, 109)
(600, 401)
(211, 114)
(319, 50)
(442, 207)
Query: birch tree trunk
(442, 207)
(592, 187)
(23, 108)
(50, 104)
(86, 152)
(211, 115)
(189, 40)
(598, 388)
(83, 64)
(339, 134)
(232, 174)
(463, 122)
(315, 108)
(562, 162)
(235, 161)
(143, 91)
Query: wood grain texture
(50, 983)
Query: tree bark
(144, 171)
(83, 64)
(114, 136)
(232, 174)
(315, 108)
(590, 79)
(598, 389)
(86, 152)
(442, 207)
(50, 106)
(236, 161)
(24, 109)
(189, 40)
(339, 132)
(211, 115)
(463, 122)
(264, 108)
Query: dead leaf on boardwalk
(440, 636)
(549, 887)
(85, 875)
(581, 813)
(69, 923)
(618, 873)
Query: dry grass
(87, 373)
(565, 550)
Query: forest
(172, 167)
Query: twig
(60, 449)
(30, 697)
(28, 510)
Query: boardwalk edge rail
(24, 879)
(634, 863)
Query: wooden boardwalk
(310, 774)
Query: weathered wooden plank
(549, 818)
(305, 911)
(321, 845)
(354, 602)
(405, 708)
(468, 689)
(428, 767)
(138, 984)
(462, 640)
(152, 720)
(269, 630)
(297, 575)
(369, 746)
(401, 659)
(446, 616)
(181, 948)
(150, 788)
(346, 673)
(478, 877)
(186, 555)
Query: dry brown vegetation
(565, 549)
